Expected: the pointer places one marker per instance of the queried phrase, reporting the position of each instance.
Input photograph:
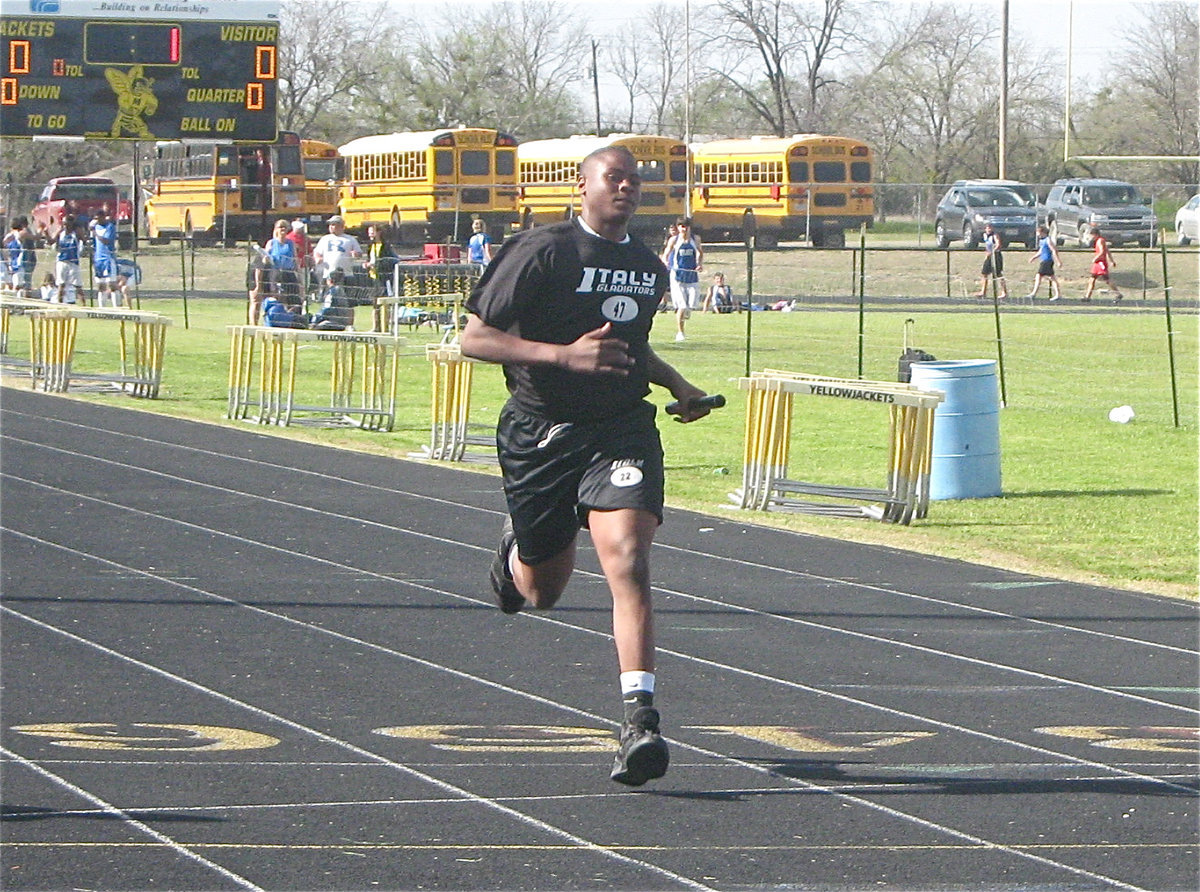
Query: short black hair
(593, 155)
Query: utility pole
(1070, 60)
(687, 103)
(596, 83)
(1003, 153)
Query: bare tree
(759, 43)
(934, 74)
(544, 52)
(827, 35)
(441, 76)
(323, 60)
(1150, 102)
(627, 63)
(515, 67)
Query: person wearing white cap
(336, 251)
(298, 236)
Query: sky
(1098, 24)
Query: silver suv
(1074, 206)
(966, 209)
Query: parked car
(1075, 205)
(81, 196)
(966, 209)
(1028, 193)
(1187, 222)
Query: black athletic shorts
(993, 265)
(555, 473)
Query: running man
(567, 309)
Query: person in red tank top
(1102, 263)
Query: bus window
(860, 171)
(443, 164)
(287, 161)
(321, 169)
(227, 163)
(651, 170)
(798, 171)
(829, 172)
(678, 171)
(474, 163)
(506, 163)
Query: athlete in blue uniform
(104, 258)
(66, 264)
(1047, 257)
(684, 257)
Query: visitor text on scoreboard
(124, 69)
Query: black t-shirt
(554, 284)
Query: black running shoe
(643, 754)
(507, 596)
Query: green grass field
(1083, 498)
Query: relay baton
(714, 401)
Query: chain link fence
(896, 204)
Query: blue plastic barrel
(966, 430)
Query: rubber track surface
(234, 661)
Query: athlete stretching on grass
(567, 309)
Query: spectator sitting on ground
(336, 314)
(720, 296)
(49, 291)
(277, 314)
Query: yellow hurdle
(451, 377)
(765, 485)
(412, 310)
(11, 305)
(363, 369)
(141, 340)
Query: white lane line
(1122, 693)
(801, 574)
(530, 821)
(897, 814)
(106, 808)
(903, 816)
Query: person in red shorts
(1102, 264)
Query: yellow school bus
(429, 185)
(549, 170)
(212, 190)
(322, 174)
(804, 186)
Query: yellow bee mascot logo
(135, 101)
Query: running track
(234, 661)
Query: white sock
(637, 681)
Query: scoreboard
(139, 69)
